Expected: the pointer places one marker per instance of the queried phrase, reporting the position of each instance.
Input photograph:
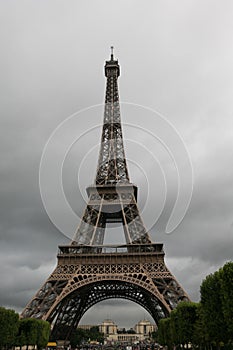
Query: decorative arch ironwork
(67, 313)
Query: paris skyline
(175, 60)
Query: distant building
(108, 327)
(144, 327)
(141, 332)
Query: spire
(109, 202)
(112, 48)
(112, 166)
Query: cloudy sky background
(176, 58)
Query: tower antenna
(112, 48)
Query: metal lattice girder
(111, 204)
(171, 290)
(44, 299)
(75, 305)
(108, 204)
(88, 272)
(82, 279)
(112, 165)
(91, 228)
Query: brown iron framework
(87, 271)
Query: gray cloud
(176, 58)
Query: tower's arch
(67, 312)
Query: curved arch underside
(70, 310)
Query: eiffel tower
(88, 271)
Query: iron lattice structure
(87, 271)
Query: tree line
(207, 324)
(22, 332)
(80, 336)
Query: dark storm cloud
(176, 57)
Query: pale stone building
(108, 327)
(144, 327)
(141, 332)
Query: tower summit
(112, 166)
(112, 198)
(87, 271)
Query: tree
(27, 332)
(209, 322)
(186, 314)
(154, 335)
(33, 332)
(175, 336)
(200, 334)
(164, 332)
(226, 281)
(9, 323)
(178, 329)
(161, 332)
(131, 331)
(95, 334)
(84, 335)
(78, 337)
(43, 333)
(211, 301)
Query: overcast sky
(176, 58)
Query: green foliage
(164, 332)
(154, 336)
(27, 331)
(161, 332)
(33, 332)
(179, 327)
(211, 301)
(174, 327)
(43, 333)
(208, 324)
(80, 336)
(130, 331)
(94, 334)
(226, 280)
(9, 323)
(186, 313)
(200, 334)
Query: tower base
(86, 275)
